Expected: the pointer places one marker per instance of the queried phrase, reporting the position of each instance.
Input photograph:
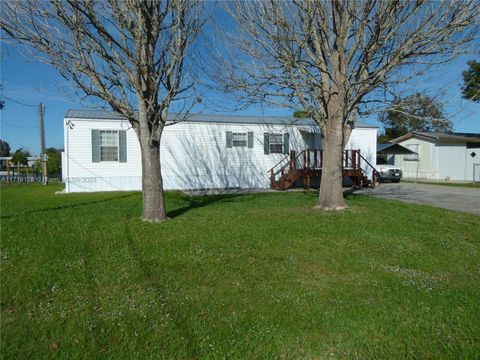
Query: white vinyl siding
(426, 165)
(194, 155)
(454, 159)
(445, 162)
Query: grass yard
(240, 277)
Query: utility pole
(42, 147)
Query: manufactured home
(102, 152)
(439, 156)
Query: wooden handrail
(290, 163)
(278, 163)
(353, 155)
(303, 163)
(373, 168)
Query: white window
(412, 157)
(108, 145)
(239, 139)
(276, 143)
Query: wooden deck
(307, 165)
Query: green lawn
(243, 277)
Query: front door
(312, 141)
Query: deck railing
(311, 159)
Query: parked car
(389, 172)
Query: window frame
(279, 143)
(412, 157)
(117, 137)
(245, 140)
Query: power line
(18, 102)
(19, 127)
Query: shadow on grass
(350, 193)
(199, 201)
(151, 276)
(69, 206)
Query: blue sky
(30, 83)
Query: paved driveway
(448, 197)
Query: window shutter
(250, 139)
(229, 139)
(95, 146)
(266, 143)
(122, 146)
(286, 143)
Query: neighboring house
(439, 156)
(102, 152)
(6, 161)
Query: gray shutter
(122, 143)
(250, 139)
(95, 146)
(286, 143)
(229, 139)
(266, 143)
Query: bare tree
(332, 59)
(134, 55)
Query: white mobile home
(102, 152)
(440, 156)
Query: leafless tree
(332, 58)
(134, 55)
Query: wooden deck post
(306, 181)
(359, 158)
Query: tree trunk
(152, 183)
(331, 189)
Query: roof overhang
(414, 135)
(393, 149)
(438, 138)
(100, 114)
(309, 129)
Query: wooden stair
(308, 165)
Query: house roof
(440, 137)
(209, 118)
(29, 158)
(393, 149)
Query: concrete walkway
(448, 197)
